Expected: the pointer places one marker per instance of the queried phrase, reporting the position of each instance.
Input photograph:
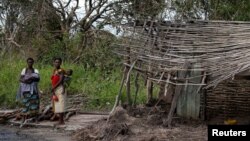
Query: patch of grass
(9, 74)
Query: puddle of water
(8, 135)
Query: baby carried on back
(67, 77)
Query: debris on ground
(122, 126)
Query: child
(67, 78)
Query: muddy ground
(122, 125)
(45, 130)
(140, 124)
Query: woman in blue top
(28, 90)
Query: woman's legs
(25, 104)
(61, 120)
(60, 104)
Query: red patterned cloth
(54, 79)
(56, 76)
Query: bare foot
(54, 117)
(61, 123)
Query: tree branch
(97, 16)
(11, 40)
(68, 3)
(62, 8)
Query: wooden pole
(136, 88)
(178, 89)
(120, 92)
(150, 67)
(128, 88)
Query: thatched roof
(219, 48)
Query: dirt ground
(121, 126)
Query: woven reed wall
(230, 99)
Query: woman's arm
(23, 80)
(35, 77)
(29, 80)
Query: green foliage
(45, 50)
(100, 55)
(230, 10)
(95, 53)
(190, 9)
(9, 74)
(100, 88)
(147, 8)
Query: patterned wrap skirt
(30, 102)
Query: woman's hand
(29, 81)
(35, 79)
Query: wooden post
(120, 92)
(151, 46)
(149, 91)
(136, 88)
(128, 87)
(128, 72)
(178, 89)
(162, 90)
(203, 92)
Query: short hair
(57, 58)
(70, 71)
(31, 59)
